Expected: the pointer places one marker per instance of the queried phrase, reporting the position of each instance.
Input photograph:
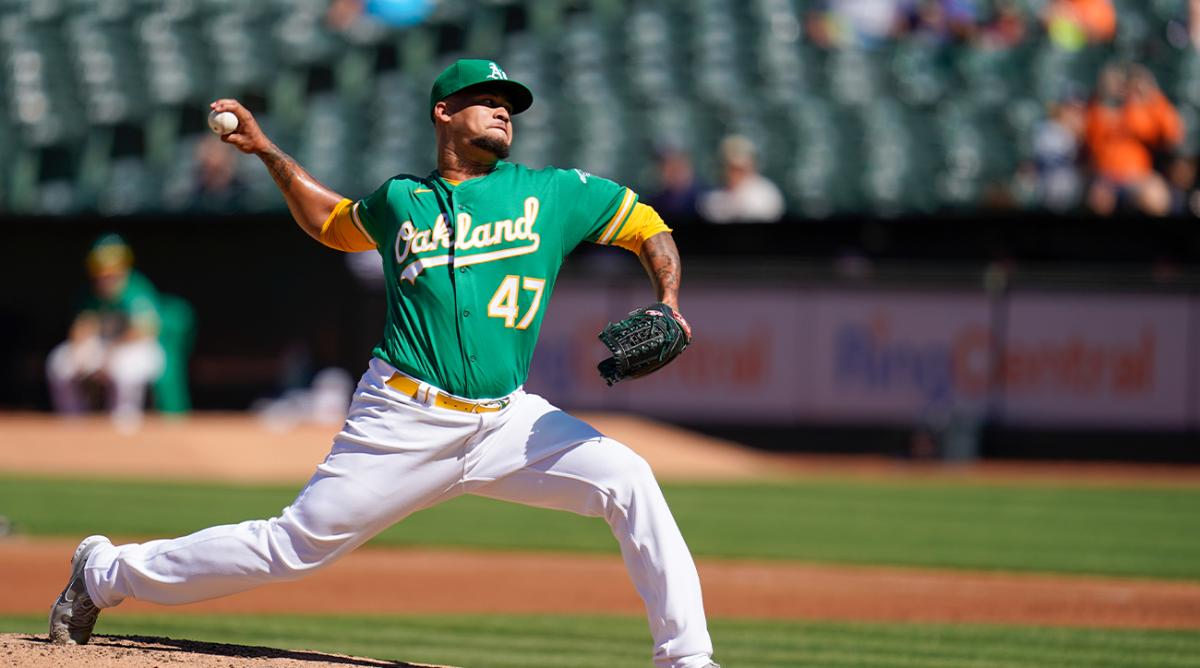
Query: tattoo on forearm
(280, 165)
(661, 259)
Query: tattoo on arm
(660, 257)
(308, 200)
(281, 166)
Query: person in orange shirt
(1075, 23)
(1129, 121)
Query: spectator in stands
(940, 21)
(113, 340)
(1185, 191)
(216, 184)
(1129, 122)
(1194, 23)
(342, 14)
(1005, 30)
(855, 23)
(678, 191)
(1056, 152)
(1074, 24)
(745, 196)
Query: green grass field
(1141, 532)
(520, 641)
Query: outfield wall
(787, 356)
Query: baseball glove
(644, 342)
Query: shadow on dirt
(149, 645)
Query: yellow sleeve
(644, 222)
(342, 232)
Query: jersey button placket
(463, 271)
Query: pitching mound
(30, 651)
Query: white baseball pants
(129, 367)
(396, 455)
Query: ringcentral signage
(890, 357)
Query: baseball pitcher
(471, 252)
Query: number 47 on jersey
(505, 303)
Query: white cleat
(73, 615)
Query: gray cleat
(73, 615)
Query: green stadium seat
(1136, 22)
(856, 77)
(815, 183)
(1191, 125)
(1022, 116)
(919, 76)
(1186, 87)
(991, 77)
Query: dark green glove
(644, 342)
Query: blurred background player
(113, 341)
(115, 345)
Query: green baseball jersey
(135, 305)
(470, 268)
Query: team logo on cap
(496, 72)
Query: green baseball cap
(466, 73)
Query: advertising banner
(783, 356)
(1096, 360)
(895, 357)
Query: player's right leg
(392, 457)
(568, 465)
(132, 366)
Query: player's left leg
(393, 456)
(569, 466)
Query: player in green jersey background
(113, 340)
(471, 252)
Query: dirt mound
(31, 651)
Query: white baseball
(222, 122)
